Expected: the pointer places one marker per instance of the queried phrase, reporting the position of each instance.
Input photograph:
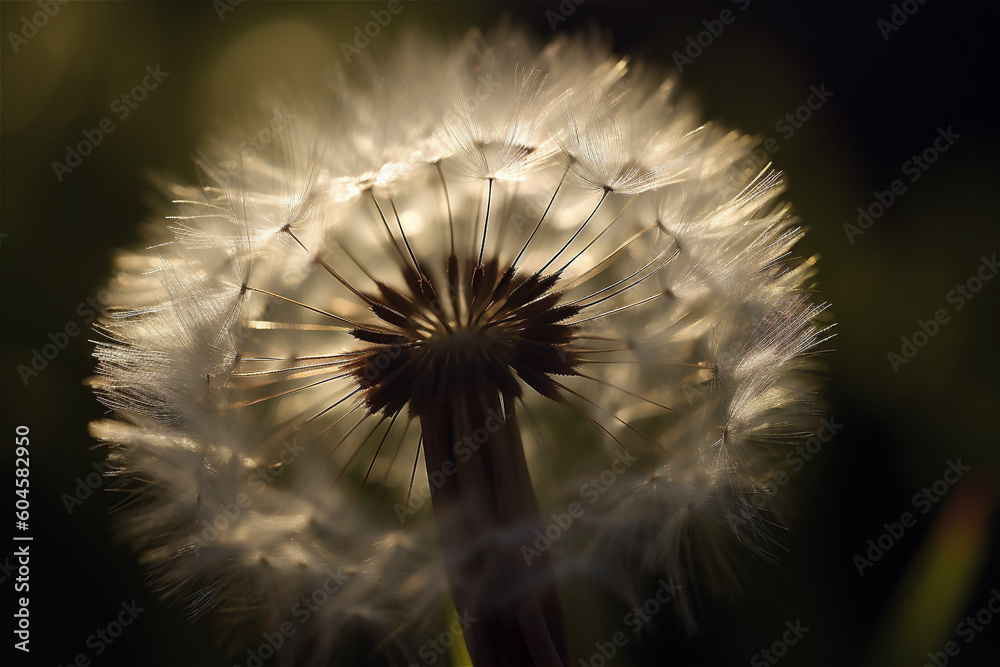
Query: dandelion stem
(486, 511)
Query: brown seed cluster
(490, 326)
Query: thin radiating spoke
(329, 269)
(578, 231)
(268, 325)
(307, 307)
(618, 282)
(486, 221)
(618, 310)
(599, 425)
(599, 266)
(598, 237)
(255, 401)
(624, 391)
(289, 431)
(544, 213)
(361, 445)
(399, 223)
(613, 416)
(447, 200)
(413, 474)
(385, 223)
(399, 446)
(375, 457)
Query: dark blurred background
(892, 86)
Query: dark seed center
(483, 332)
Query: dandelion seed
(477, 288)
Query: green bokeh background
(890, 96)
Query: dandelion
(474, 321)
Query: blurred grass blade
(932, 595)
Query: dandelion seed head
(540, 258)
